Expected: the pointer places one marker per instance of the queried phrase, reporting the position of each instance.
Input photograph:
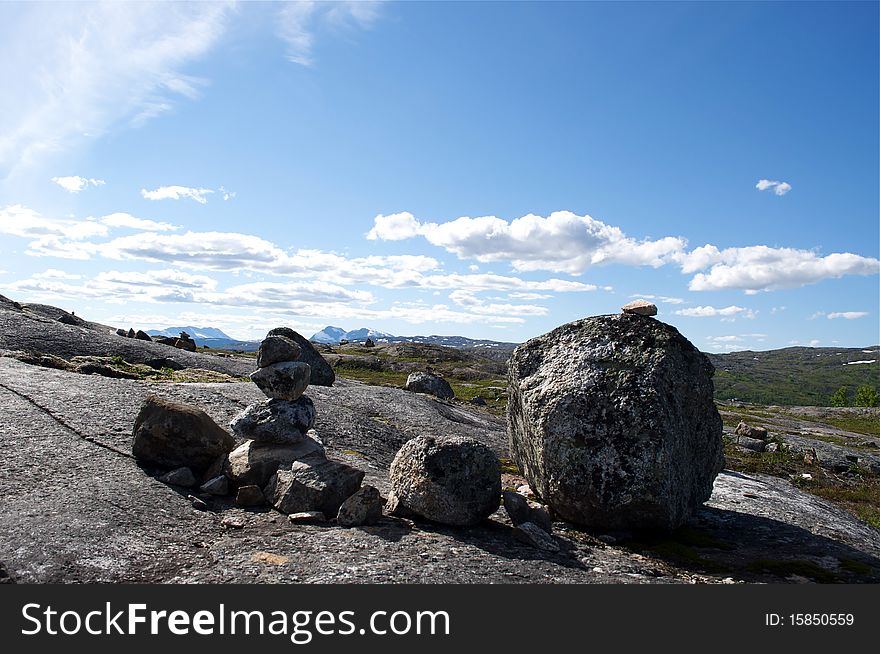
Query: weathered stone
(425, 382)
(742, 429)
(640, 308)
(322, 374)
(233, 522)
(250, 496)
(157, 363)
(369, 343)
(254, 463)
(531, 534)
(811, 458)
(479, 401)
(197, 503)
(142, 335)
(179, 477)
(520, 510)
(612, 421)
(394, 507)
(307, 518)
(184, 342)
(313, 486)
(362, 508)
(216, 486)
(130, 333)
(172, 435)
(275, 349)
(122, 332)
(772, 447)
(451, 480)
(275, 421)
(66, 319)
(753, 444)
(283, 381)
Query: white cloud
(662, 298)
(561, 242)
(70, 70)
(127, 220)
(529, 296)
(724, 339)
(847, 315)
(17, 220)
(761, 268)
(713, 312)
(227, 195)
(177, 192)
(779, 188)
(75, 184)
(815, 342)
(477, 305)
(297, 23)
(54, 273)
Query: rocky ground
(77, 508)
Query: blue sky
(485, 169)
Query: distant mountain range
(334, 335)
(194, 332)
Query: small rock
(307, 518)
(232, 522)
(283, 381)
(742, 429)
(608, 539)
(520, 511)
(142, 335)
(313, 486)
(275, 349)
(164, 362)
(754, 444)
(810, 457)
(130, 333)
(197, 503)
(640, 307)
(252, 463)
(179, 477)
(66, 319)
(425, 382)
(275, 421)
(772, 447)
(369, 343)
(531, 534)
(250, 496)
(525, 490)
(362, 508)
(122, 332)
(479, 401)
(217, 486)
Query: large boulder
(313, 486)
(252, 463)
(452, 480)
(612, 421)
(425, 382)
(275, 421)
(172, 435)
(322, 374)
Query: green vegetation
(866, 396)
(795, 376)
(840, 397)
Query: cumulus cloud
(779, 188)
(478, 305)
(662, 298)
(561, 242)
(177, 192)
(17, 220)
(120, 219)
(762, 268)
(715, 312)
(847, 315)
(75, 184)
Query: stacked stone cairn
(282, 460)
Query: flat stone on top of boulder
(286, 380)
(322, 374)
(612, 421)
(275, 349)
(452, 480)
(425, 382)
(742, 429)
(313, 486)
(275, 421)
(640, 307)
(179, 477)
(362, 508)
(168, 434)
(255, 463)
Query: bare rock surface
(68, 476)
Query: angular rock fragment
(313, 486)
(531, 534)
(362, 508)
(253, 463)
(275, 421)
(172, 435)
(283, 381)
(322, 374)
(179, 477)
(425, 382)
(307, 518)
(250, 496)
(742, 429)
(640, 308)
(216, 486)
(520, 510)
(275, 349)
